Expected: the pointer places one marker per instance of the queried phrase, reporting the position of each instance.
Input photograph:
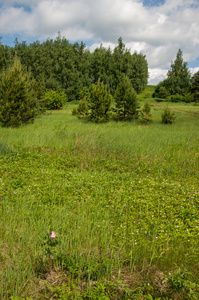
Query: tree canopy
(69, 68)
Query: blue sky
(157, 28)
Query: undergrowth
(82, 221)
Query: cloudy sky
(157, 28)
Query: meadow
(122, 199)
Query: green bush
(163, 93)
(168, 117)
(188, 97)
(18, 103)
(82, 109)
(54, 100)
(177, 98)
(144, 114)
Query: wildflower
(53, 235)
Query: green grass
(122, 199)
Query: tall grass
(122, 199)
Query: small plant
(49, 242)
(168, 117)
(54, 100)
(179, 282)
(82, 110)
(144, 115)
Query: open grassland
(122, 198)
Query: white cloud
(158, 32)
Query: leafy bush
(188, 97)
(18, 103)
(163, 93)
(126, 100)
(168, 116)
(177, 98)
(54, 100)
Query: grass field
(122, 199)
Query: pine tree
(126, 100)
(179, 77)
(99, 102)
(18, 104)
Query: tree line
(62, 66)
(45, 75)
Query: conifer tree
(18, 104)
(126, 100)
(179, 77)
(99, 102)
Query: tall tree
(179, 76)
(178, 81)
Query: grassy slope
(122, 199)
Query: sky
(156, 28)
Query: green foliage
(179, 77)
(177, 98)
(71, 67)
(178, 80)
(195, 86)
(126, 104)
(54, 99)
(188, 97)
(180, 282)
(163, 93)
(110, 66)
(196, 96)
(82, 109)
(168, 117)
(96, 106)
(144, 114)
(138, 72)
(18, 104)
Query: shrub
(188, 97)
(54, 100)
(82, 109)
(168, 116)
(144, 114)
(177, 98)
(163, 93)
(18, 103)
